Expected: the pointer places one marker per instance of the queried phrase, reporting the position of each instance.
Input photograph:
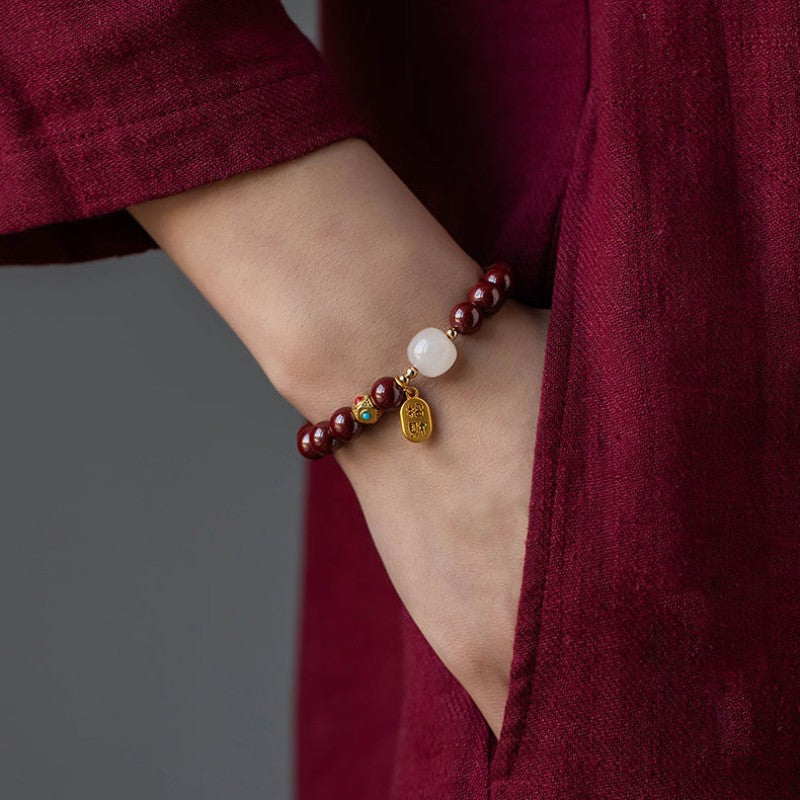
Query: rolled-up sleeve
(106, 103)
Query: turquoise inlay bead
(365, 415)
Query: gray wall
(149, 506)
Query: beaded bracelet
(431, 353)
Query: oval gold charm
(415, 417)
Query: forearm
(323, 266)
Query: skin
(325, 267)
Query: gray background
(150, 501)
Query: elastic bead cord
(431, 352)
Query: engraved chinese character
(414, 410)
(418, 428)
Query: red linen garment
(638, 161)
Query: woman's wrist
(324, 266)
(345, 350)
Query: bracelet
(431, 353)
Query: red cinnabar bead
(322, 440)
(342, 424)
(500, 275)
(304, 444)
(385, 393)
(487, 297)
(466, 318)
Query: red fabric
(646, 153)
(351, 670)
(105, 103)
(638, 161)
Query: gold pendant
(415, 417)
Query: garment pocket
(544, 481)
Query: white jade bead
(431, 352)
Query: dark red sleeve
(105, 103)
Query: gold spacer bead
(405, 378)
(451, 334)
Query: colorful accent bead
(466, 318)
(364, 410)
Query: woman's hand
(449, 517)
(325, 267)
